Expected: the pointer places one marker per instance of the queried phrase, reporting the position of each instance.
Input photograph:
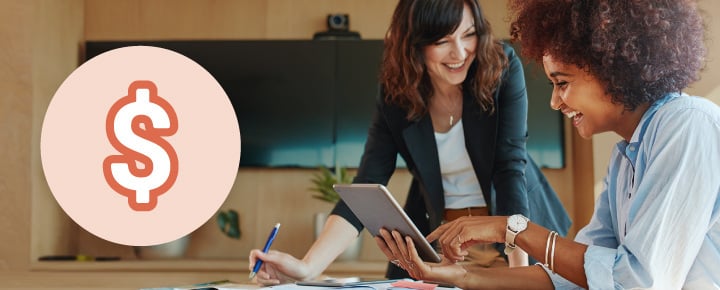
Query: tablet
(376, 208)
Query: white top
(461, 186)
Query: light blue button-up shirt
(656, 222)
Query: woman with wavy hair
(615, 66)
(453, 105)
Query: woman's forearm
(336, 236)
(566, 257)
(531, 277)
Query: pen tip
(252, 275)
(277, 225)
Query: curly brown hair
(418, 23)
(640, 50)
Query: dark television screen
(357, 89)
(282, 93)
(303, 103)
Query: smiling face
(448, 59)
(581, 97)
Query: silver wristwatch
(515, 224)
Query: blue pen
(270, 239)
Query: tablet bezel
(376, 208)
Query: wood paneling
(262, 196)
(15, 127)
(55, 54)
(40, 48)
(229, 19)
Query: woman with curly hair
(615, 66)
(453, 105)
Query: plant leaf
(229, 223)
(324, 180)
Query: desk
(349, 268)
(44, 280)
(141, 274)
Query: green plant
(229, 223)
(324, 181)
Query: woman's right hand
(456, 236)
(277, 268)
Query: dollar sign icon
(135, 126)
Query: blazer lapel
(420, 140)
(480, 135)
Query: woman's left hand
(401, 252)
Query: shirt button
(632, 148)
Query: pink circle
(75, 142)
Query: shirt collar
(630, 149)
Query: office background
(43, 43)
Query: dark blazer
(510, 180)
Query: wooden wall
(266, 196)
(229, 19)
(40, 48)
(15, 126)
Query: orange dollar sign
(135, 126)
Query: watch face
(517, 223)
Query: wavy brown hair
(419, 23)
(640, 50)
